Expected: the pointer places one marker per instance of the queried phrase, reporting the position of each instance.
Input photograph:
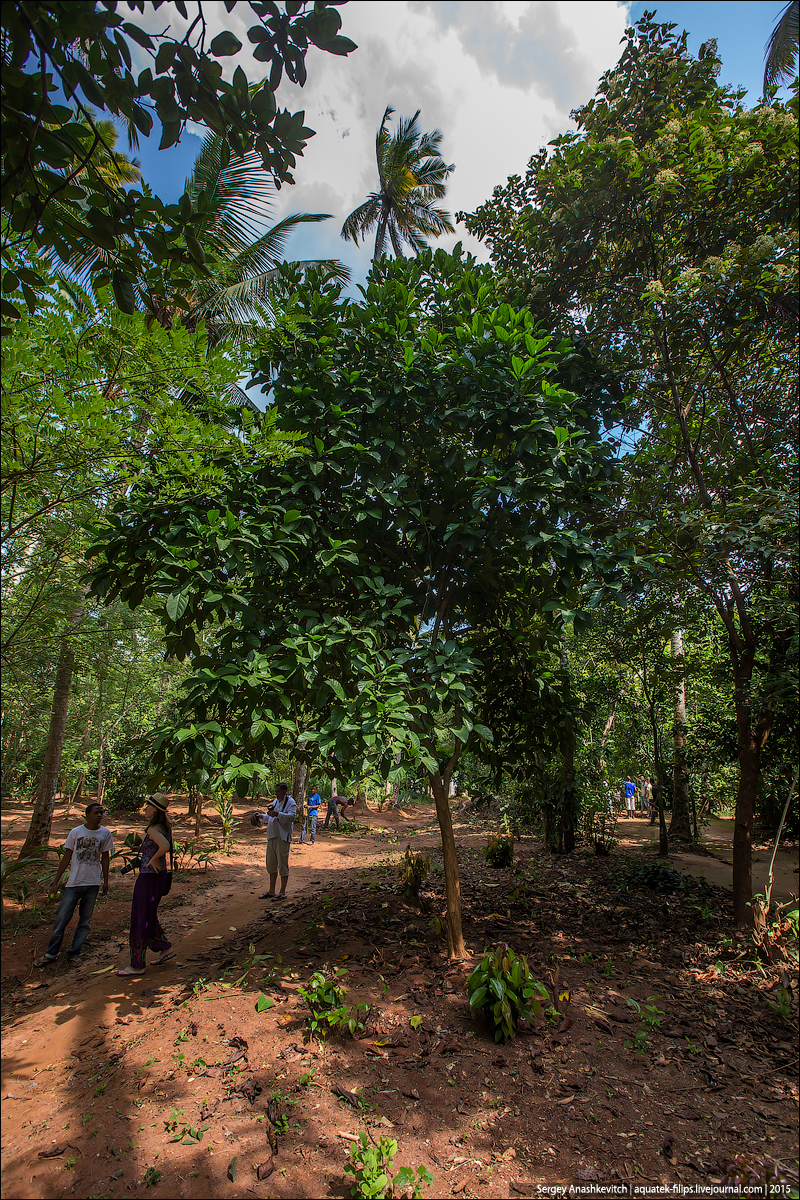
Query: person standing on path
(280, 819)
(314, 802)
(87, 852)
(152, 883)
(630, 796)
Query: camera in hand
(133, 865)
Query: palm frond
(781, 49)
(238, 197)
(361, 219)
(267, 251)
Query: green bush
(501, 989)
(499, 849)
(370, 1167)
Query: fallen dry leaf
(266, 1168)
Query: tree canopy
(60, 59)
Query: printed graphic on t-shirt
(87, 851)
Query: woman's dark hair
(162, 821)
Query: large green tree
(384, 577)
(55, 195)
(662, 233)
(411, 175)
(89, 396)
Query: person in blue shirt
(314, 801)
(630, 797)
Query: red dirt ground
(103, 1074)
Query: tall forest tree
(662, 235)
(388, 576)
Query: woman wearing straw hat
(153, 882)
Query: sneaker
(43, 961)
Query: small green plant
(327, 1009)
(499, 849)
(370, 1167)
(223, 804)
(784, 1006)
(151, 1177)
(608, 968)
(502, 989)
(640, 1043)
(651, 1015)
(413, 870)
(692, 1047)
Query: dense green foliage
(54, 195)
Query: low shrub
(499, 849)
(651, 875)
(501, 989)
(325, 998)
(370, 1167)
(413, 870)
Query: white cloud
(498, 77)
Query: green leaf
(225, 44)
(263, 1002)
(176, 605)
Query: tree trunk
(100, 772)
(198, 814)
(76, 796)
(42, 819)
(299, 779)
(680, 826)
(455, 936)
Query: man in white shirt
(87, 852)
(280, 819)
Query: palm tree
(235, 199)
(234, 196)
(411, 175)
(781, 49)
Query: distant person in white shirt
(87, 852)
(279, 820)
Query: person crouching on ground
(87, 851)
(280, 819)
(153, 882)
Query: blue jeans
(333, 811)
(83, 898)
(313, 813)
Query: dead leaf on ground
(343, 1094)
(265, 1169)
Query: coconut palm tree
(234, 197)
(780, 51)
(245, 252)
(411, 175)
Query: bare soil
(173, 1085)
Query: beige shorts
(277, 857)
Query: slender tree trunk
(100, 772)
(42, 819)
(198, 812)
(680, 826)
(78, 793)
(455, 937)
(299, 779)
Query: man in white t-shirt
(279, 820)
(87, 852)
